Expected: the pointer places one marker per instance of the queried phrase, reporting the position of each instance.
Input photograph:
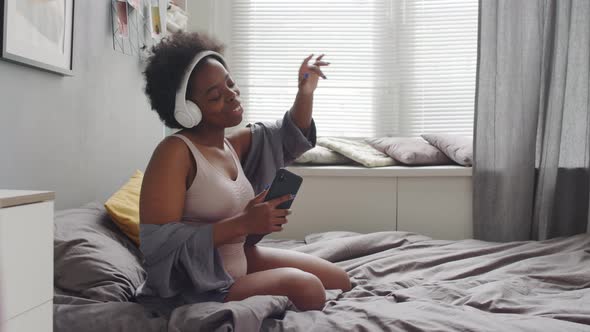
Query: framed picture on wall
(38, 33)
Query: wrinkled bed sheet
(402, 282)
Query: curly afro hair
(166, 66)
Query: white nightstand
(26, 260)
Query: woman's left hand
(309, 74)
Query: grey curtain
(532, 135)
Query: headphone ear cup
(194, 111)
(188, 116)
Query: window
(397, 67)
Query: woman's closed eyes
(216, 95)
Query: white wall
(214, 18)
(80, 136)
(199, 15)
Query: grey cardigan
(181, 262)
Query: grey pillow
(410, 150)
(458, 148)
(92, 258)
(322, 156)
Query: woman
(196, 175)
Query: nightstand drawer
(38, 319)
(26, 257)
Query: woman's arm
(302, 109)
(164, 183)
(164, 188)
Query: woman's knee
(342, 280)
(334, 277)
(304, 289)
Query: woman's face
(216, 94)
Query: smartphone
(284, 183)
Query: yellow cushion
(123, 207)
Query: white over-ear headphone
(186, 112)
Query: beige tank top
(212, 197)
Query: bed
(401, 282)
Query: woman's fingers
(318, 61)
(306, 68)
(260, 197)
(280, 221)
(306, 60)
(275, 202)
(317, 71)
(321, 63)
(281, 212)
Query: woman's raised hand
(309, 74)
(262, 217)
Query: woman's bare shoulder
(171, 149)
(164, 183)
(241, 140)
(171, 156)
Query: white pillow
(358, 151)
(322, 156)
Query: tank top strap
(196, 153)
(233, 152)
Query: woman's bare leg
(264, 258)
(304, 289)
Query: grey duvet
(402, 282)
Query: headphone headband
(180, 106)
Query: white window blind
(397, 67)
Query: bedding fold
(182, 264)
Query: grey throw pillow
(322, 156)
(93, 258)
(458, 148)
(410, 150)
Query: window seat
(432, 200)
(388, 171)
